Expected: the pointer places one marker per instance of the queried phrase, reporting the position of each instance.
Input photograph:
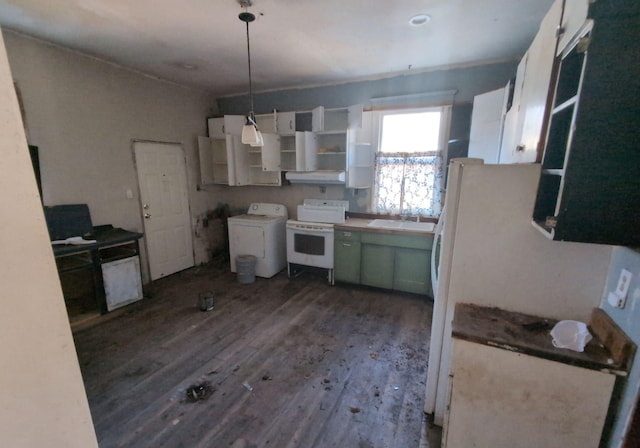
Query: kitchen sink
(402, 225)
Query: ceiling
(294, 43)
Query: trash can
(246, 268)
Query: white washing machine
(261, 233)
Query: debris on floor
(374, 356)
(200, 391)
(266, 377)
(247, 386)
(354, 410)
(240, 443)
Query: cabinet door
(216, 127)
(536, 86)
(513, 119)
(497, 396)
(360, 153)
(286, 123)
(377, 266)
(306, 151)
(271, 152)
(573, 18)
(233, 124)
(346, 257)
(317, 119)
(238, 157)
(266, 123)
(354, 116)
(412, 271)
(205, 153)
(486, 125)
(214, 166)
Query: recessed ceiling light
(419, 19)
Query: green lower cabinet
(412, 271)
(382, 260)
(346, 255)
(377, 266)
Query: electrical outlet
(623, 284)
(616, 301)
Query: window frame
(443, 140)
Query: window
(409, 161)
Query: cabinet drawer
(346, 235)
(409, 241)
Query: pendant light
(251, 135)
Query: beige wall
(41, 391)
(83, 115)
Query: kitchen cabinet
(377, 266)
(317, 139)
(226, 161)
(503, 399)
(574, 16)
(412, 270)
(228, 125)
(389, 261)
(267, 123)
(511, 387)
(524, 120)
(589, 188)
(285, 123)
(346, 254)
(360, 153)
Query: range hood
(315, 177)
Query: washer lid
(264, 208)
(255, 219)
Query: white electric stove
(310, 237)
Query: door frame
(145, 249)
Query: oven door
(310, 244)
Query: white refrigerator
(491, 255)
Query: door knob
(147, 216)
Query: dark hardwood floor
(281, 363)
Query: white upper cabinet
(354, 117)
(574, 17)
(217, 164)
(227, 125)
(317, 119)
(267, 123)
(524, 121)
(285, 123)
(486, 125)
(270, 152)
(306, 151)
(536, 85)
(360, 152)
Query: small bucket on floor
(246, 268)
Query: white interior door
(162, 177)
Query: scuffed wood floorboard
(328, 366)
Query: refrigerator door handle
(435, 261)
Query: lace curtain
(409, 183)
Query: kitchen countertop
(362, 225)
(104, 235)
(526, 334)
